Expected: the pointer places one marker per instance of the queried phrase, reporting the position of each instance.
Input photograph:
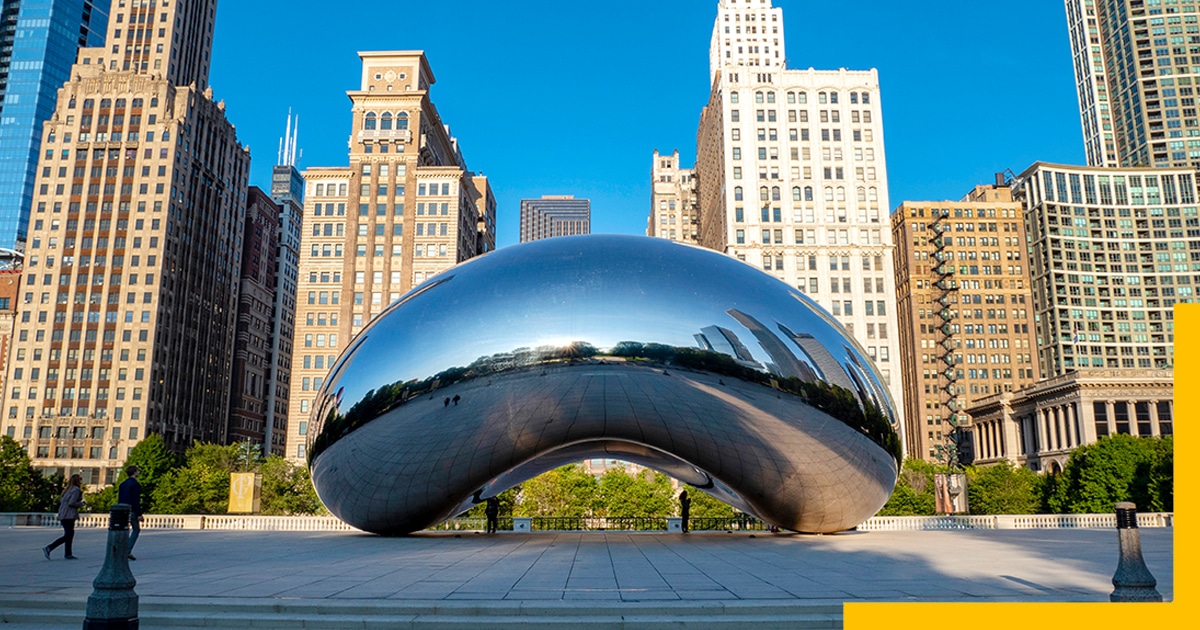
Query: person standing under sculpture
(685, 506)
(68, 513)
(130, 493)
(492, 511)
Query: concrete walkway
(1020, 565)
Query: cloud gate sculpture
(538, 355)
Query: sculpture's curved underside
(674, 357)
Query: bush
(1003, 489)
(1114, 469)
(913, 495)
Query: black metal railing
(605, 523)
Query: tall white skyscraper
(792, 176)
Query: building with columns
(673, 210)
(1112, 252)
(1040, 425)
(404, 210)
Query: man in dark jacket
(130, 493)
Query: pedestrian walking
(456, 399)
(685, 506)
(130, 493)
(68, 511)
(492, 511)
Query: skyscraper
(404, 210)
(127, 316)
(965, 313)
(1112, 254)
(792, 176)
(673, 211)
(287, 190)
(555, 215)
(1135, 66)
(38, 43)
(252, 363)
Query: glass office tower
(38, 42)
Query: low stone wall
(1012, 521)
(226, 522)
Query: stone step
(54, 620)
(53, 613)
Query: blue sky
(573, 97)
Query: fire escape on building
(955, 436)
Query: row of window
(966, 313)
(801, 97)
(107, 103)
(772, 115)
(105, 207)
(1122, 189)
(802, 135)
(384, 121)
(808, 172)
(69, 393)
(331, 189)
(96, 279)
(108, 336)
(108, 189)
(809, 237)
(82, 412)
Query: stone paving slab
(964, 565)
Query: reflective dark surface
(542, 354)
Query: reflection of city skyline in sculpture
(725, 341)
(593, 353)
(784, 362)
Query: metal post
(113, 604)
(1133, 580)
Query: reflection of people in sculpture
(492, 511)
(685, 506)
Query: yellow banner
(244, 493)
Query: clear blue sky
(573, 97)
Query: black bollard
(113, 604)
(1133, 580)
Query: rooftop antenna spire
(288, 144)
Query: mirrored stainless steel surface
(537, 355)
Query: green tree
(155, 461)
(1003, 489)
(648, 493)
(102, 500)
(287, 488)
(201, 486)
(913, 495)
(704, 505)
(565, 491)
(22, 487)
(1154, 486)
(1115, 468)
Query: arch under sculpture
(675, 357)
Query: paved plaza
(610, 569)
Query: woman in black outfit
(68, 512)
